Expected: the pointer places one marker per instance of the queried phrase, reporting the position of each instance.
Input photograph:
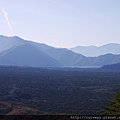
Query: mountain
(94, 51)
(27, 55)
(70, 59)
(77, 60)
(8, 42)
(64, 56)
(111, 67)
(105, 59)
(20, 52)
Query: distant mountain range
(94, 51)
(15, 51)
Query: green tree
(114, 106)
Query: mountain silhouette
(93, 51)
(19, 52)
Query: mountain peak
(27, 55)
(9, 42)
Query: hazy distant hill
(19, 52)
(112, 67)
(70, 59)
(65, 56)
(27, 55)
(93, 51)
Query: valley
(52, 91)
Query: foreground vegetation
(56, 91)
(114, 106)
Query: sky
(62, 23)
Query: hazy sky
(62, 23)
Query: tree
(114, 108)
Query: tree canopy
(114, 106)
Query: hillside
(27, 55)
(111, 67)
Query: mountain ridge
(95, 51)
(62, 57)
(27, 55)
